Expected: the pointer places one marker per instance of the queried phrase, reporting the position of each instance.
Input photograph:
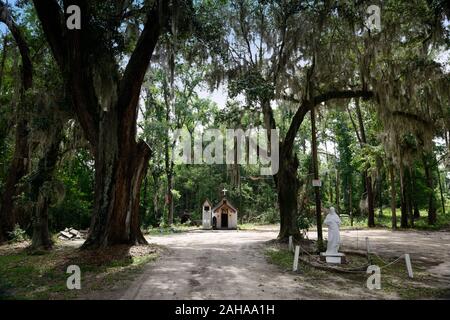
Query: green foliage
(280, 257)
(43, 277)
(164, 229)
(238, 45)
(75, 210)
(345, 139)
(253, 85)
(18, 235)
(304, 222)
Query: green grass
(24, 276)
(385, 220)
(280, 257)
(175, 228)
(394, 278)
(250, 225)
(179, 228)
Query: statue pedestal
(336, 258)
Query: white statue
(333, 222)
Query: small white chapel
(222, 216)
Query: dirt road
(423, 246)
(232, 265)
(213, 265)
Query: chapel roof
(223, 202)
(208, 202)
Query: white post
(357, 239)
(291, 247)
(296, 254)
(367, 245)
(408, 265)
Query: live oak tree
(272, 56)
(175, 105)
(345, 166)
(43, 112)
(374, 52)
(286, 58)
(412, 89)
(50, 117)
(360, 130)
(105, 98)
(19, 165)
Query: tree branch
(70, 52)
(355, 127)
(130, 85)
(410, 116)
(306, 106)
(50, 14)
(346, 94)
(27, 67)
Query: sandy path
(214, 265)
(231, 264)
(423, 246)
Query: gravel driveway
(231, 265)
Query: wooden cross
(224, 192)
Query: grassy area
(250, 226)
(280, 257)
(385, 220)
(178, 228)
(394, 279)
(25, 276)
(166, 230)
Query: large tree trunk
(315, 163)
(19, 165)
(403, 198)
(116, 213)
(431, 196)
(380, 196)
(170, 204)
(441, 190)
(3, 60)
(120, 166)
(44, 173)
(367, 178)
(105, 100)
(17, 170)
(411, 201)
(416, 211)
(41, 239)
(156, 190)
(351, 203)
(287, 188)
(370, 201)
(330, 185)
(407, 201)
(393, 197)
(145, 202)
(338, 195)
(287, 182)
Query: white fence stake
(291, 247)
(296, 254)
(408, 265)
(367, 245)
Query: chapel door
(224, 219)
